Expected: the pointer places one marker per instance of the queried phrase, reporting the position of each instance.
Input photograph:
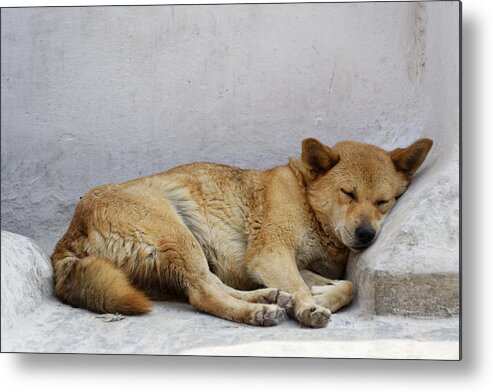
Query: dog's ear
(317, 158)
(409, 159)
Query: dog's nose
(365, 235)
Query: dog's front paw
(314, 316)
(278, 297)
(269, 315)
(284, 300)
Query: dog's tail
(95, 283)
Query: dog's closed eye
(382, 202)
(349, 194)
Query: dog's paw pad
(269, 315)
(315, 317)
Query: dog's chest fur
(226, 250)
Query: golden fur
(229, 240)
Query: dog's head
(352, 186)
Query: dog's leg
(210, 298)
(264, 296)
(181, 259)
(313, 279)
(331, 294)
(278, 269)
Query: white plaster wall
(106, 94)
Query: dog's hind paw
(333, 296)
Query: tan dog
(205, 231)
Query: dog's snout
(365, 235)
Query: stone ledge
(408, 295)
(422, 295)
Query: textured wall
(106, 94)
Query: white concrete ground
(177, 329)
